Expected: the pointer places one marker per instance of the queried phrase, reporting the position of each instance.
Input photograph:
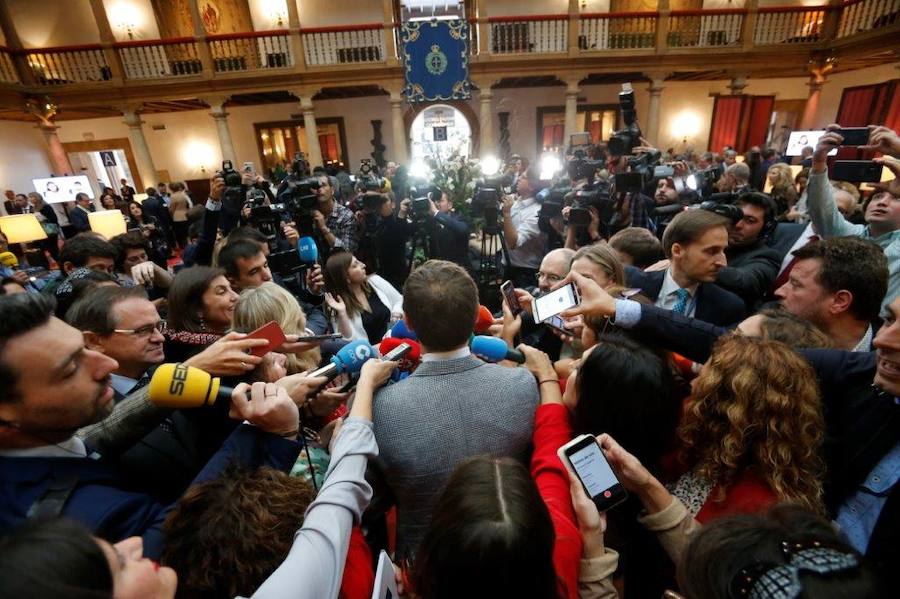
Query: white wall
(325, 13)
(263, 14)
(23, 156)
(505, 8)
(44, 23)
(138, 13)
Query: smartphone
(271, 332)
(248, 167)
(855, 171)
(397, 353)
(328, 337)
(854, 136)
(585, 459)
(558, 300)
(558, 324)
(509, 293)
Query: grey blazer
(445, 412)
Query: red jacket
(551, 431)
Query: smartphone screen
(509, 293)
(271, 332)
(595, 473)
(556, 322)
(328, 337)
(551, 304)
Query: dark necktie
(786, 273)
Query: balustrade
(71, 64)
(702, 28)
(789, 25)
(526, 35)
(618, 31)
(155, 59)
(325, 46)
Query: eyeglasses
(144, 331)
(550, 277)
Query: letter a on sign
(108, 158)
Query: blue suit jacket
(714, 304)
(79, 219)
(110, 506)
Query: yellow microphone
(180, 386)
(9, 259)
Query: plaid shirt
(641, 212)
(343, 225)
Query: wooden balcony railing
(789, 25)
(326, 46)
(617, 31)
(702, 28)
(8, 72)
(541, 34)
(155, 59)
(68, 64)
(858, 16)
(251, 51)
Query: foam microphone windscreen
(493, 349)
(484, 320)
(180, 386)
(410, 360)
(349, 358)
(308, 250)
(9, 259)
(401, 331)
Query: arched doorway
(440, 130)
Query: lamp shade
(22, 228)
(108, 223)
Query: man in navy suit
(695, 243)
(78, 217)
(52, 385)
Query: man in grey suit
(453, 407)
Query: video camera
(488, 195)
(640, 171)
(367, 177)
(296, 197)
(723, 204)
(596, 196)
(232, 197)
(622, 142)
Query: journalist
(449, 231)
(525, 242)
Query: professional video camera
(367, 177)
(296, 196)
(421, 206)
(622, 142)
(723, 204)
(232, 197)
(640, 171)
(597, 196)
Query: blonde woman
(268, 302)
(179, 206)
(783, 191)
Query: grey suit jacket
(443, 413)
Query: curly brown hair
(756, 405)
(226, 536)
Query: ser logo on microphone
(179, 376)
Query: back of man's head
(20, 313)
(96, 310)
(689, 226)
(740, 171)
(440, 302)
(247, 233)
(231, 252)
(854, 265)
(84, 246)
(639, 245)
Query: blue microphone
(349, 358)
(308, 250)
(401, 331)
(493, 349)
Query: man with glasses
(554, 268)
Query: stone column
(313, 151)
(217, 104)
(58, 156)
(656, 89)
(808, 118)
(486, 116)
(572, 91)
(400, 151)
(142, 155)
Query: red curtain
(868, 105)
(759, 118)
(554, 136)
(856, 106)
(725, 122)
(328, 146)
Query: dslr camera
(367, 177)
(622, 142)
(232, 197)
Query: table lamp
(22, 228)
(108, 223)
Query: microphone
(308, 250)
(484, 320)
(401, 331)
(349, 358)
(9, 259)
(180, 386)
(492, 349)
(409, 360)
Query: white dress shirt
(453, 354)
(531, 243)
(668, 295)
(801, 241)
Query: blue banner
(436, 55)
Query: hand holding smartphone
(552, 303)
(584, 458)
(512, 300)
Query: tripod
(494, 254)
(419, 244)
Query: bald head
(554, 267)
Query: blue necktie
(682, 301)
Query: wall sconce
(685, 125)
(277, 11)
(108, 223)
(126, 18)
(199, 154)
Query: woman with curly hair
(751, 434)
(783, 191)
